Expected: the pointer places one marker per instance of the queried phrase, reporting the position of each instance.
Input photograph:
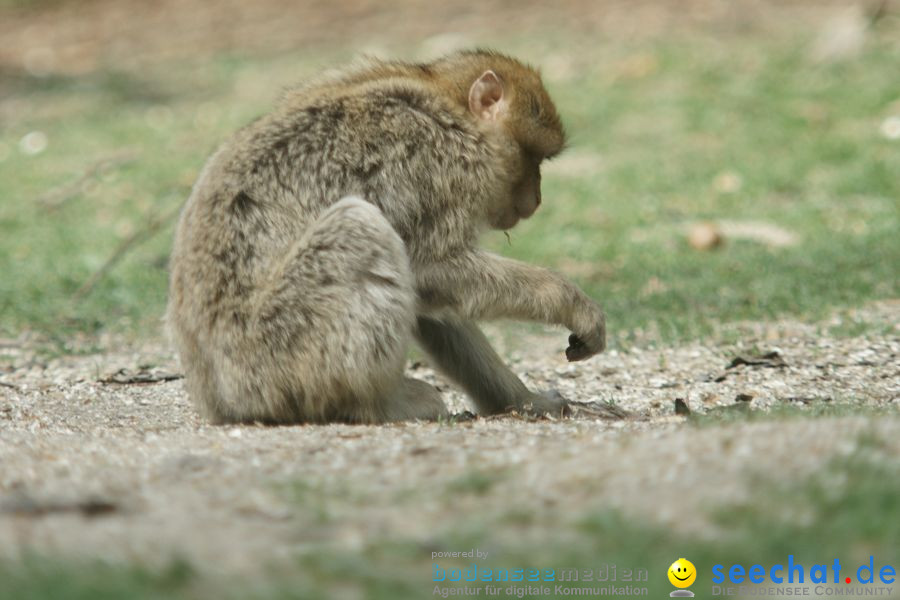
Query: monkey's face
(510, 103)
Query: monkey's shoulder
(388, 107)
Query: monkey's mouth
(507, 221)
(526, 205)
(511, 217)
(524, 212)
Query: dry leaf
(704, 236)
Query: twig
(58, 196)
(140, 377)
(154, 224)
(27, 506)
(600, 410)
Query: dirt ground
(129, 471)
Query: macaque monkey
(321, 239)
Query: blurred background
(730, 159)
(734, 165)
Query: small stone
(890, 128)
(727, 182)
(33, 143)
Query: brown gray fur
(323, 238)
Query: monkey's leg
(414, 399)
(335, 324)
(464, 354)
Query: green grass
(40, 579)
(815, 407)
(849, 510)
(803, 139)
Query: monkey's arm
(481, 285)
(462, 352)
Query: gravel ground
(129, 472)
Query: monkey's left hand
(589, 331)
(579, 349)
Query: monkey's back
(376, 139)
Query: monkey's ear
(486, 99)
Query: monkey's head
(508, 101)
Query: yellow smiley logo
(682, 573)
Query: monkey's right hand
(549, 403)
(589, 341)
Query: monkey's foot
(415, 400)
